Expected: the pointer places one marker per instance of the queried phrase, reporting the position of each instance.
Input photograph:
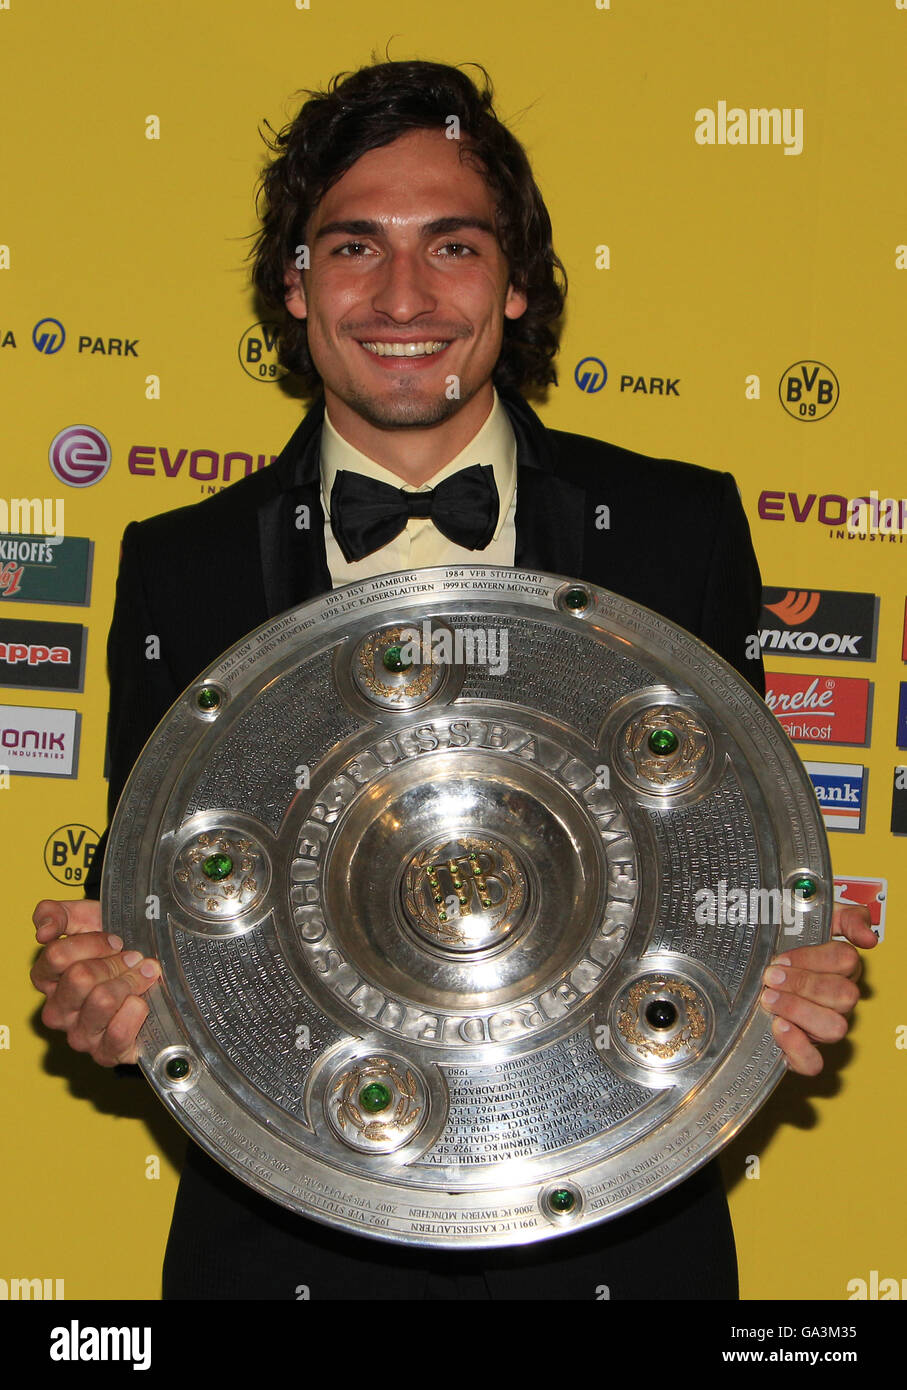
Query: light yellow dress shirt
(420, 544)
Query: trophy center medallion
(465, 895)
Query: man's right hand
(94, 988)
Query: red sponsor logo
(865, 892)
(820, 709)
(10, 579)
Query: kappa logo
(845, 626)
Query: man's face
(404, 259)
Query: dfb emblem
(809, 390)
(258, 352)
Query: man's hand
(812, 989)
(93, 986)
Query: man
(406, 239)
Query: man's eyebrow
(441, 226)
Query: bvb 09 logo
(258, 352)
(809, 390)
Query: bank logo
(48, 336)
(821, 709)
(79, 456)
(826, 622)
(69, 851)
(258, 352)
(809, 390)
(590, 375)
(42, 656)
(37, 569)
(841, 790)
(902, 716)
(39, 742)
(865, 892)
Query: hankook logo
(841, 624)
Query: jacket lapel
(291, 540)
(550, 512)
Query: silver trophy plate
(463, 882)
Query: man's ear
(516, 303)
(294, 296)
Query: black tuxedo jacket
(200, 578)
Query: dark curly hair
(364, 110)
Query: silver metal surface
(463, 883)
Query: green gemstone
(207, 698)
(473, 855)
(374, 1097)
(805, 887)
(561, 1200)
(576, 599)
(442, 916)
(177, 1068)
(217, 866)
(663, 741)
(486, 902)
(393, 659)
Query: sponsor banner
(43, 569)
(821, 709)
(69, 851)
(865, 892)
(899, 802)
(841, 790)
(42, 656)
(39, 742)
(819, 622)
(902, 716)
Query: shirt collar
(494, 443)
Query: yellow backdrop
(129, 159)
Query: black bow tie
(367, 514)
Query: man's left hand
(812, 989)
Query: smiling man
(409, 249)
